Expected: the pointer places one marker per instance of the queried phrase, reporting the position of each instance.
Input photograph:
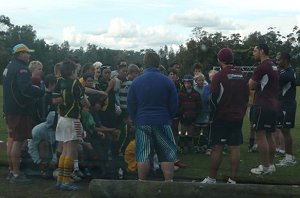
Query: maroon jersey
(230, 94)
(266, 92)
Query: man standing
(18, 95)
(152, 103)
(265, 83)
(228, 105)
(288, 105)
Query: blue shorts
(158, 138)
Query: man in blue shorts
(18, 95)
(229, 100)
(265, 83)
(152, 103)
(288, 105)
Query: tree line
(201, 47)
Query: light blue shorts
(158, 138)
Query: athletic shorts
(158, 138)
(286, 116)
(225, 132)
(68, 129)
(264, 119)
(19, 127)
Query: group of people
(134, 115)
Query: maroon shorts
(19, 127)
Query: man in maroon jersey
(265, 83)
(228, 105)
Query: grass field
(198, 163)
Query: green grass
(198, 164)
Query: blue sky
(140, 24)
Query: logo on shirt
(235, 76)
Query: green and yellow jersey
(72, 93)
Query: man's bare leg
(168, 170)
(15, 155)
(234, 160)
(216, 159)
(143, 169)
(263, 148)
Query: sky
(143, 24)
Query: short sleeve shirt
(231, 87)
(72, 93)
(287, 84)
(266, 93)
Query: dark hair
(86, 68)
(172, 70)
(49, 79)
(75, 59)
(121, 66)
(120, 61)
(68, 68)
(151, 59)
(285, 56)
(264, 47)
(175, 63)
(197, 66)
(87, 75)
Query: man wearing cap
(265, 82)
(18, 94)
(228, 105)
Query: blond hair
(33, 65)
(97, 64)
(199, 76)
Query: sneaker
(253, 149)
(58, 185)
(284, 162)
(176, 168)
(272, 168)
(19, 179)
(260, 170)
(280, 152)
(69, 186)
(75, 177)
(209, 180)
(208, 151)
(87, 172)
(9, 176)
(230, 181)
(180, 164)
(78, 173)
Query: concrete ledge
(130, 188)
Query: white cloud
(122, 34)
(193, 18)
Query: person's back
(233, 96)
(153, 109)
(152, 103)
